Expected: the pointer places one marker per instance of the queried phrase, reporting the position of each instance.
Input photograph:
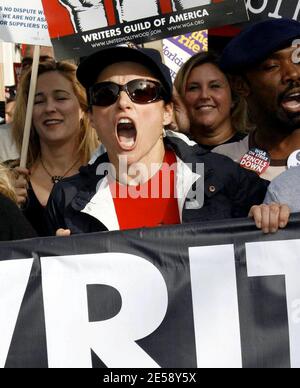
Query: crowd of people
(114, 145)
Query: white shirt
(8, 150)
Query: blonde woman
(13, 225)
(61, 141)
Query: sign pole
(28, 121)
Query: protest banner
(179, 49)
(77, 29)
(218, 294)
(24, 23)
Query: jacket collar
(101, 206)
(95, 197)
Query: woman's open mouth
(126, 134)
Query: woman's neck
(213, 136)
(138, 173)
(59, 158)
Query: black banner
(276, 9)
(214, 295)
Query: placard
(23, 22)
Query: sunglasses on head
(140, 91)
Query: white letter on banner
(275, 14)
(215, 305)
(274, 259)
(14, 276)
(70, 335)
(297, 10)
(256, 10)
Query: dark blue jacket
(83, 203)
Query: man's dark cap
(257, 42)
(90, 68)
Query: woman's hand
(21, 184)
(63, 233)
(270, 218)
(181, 121)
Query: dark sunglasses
(140, 91)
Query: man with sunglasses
(145, 177)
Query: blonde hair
(6, 186)
(239, 114)
(88, 141)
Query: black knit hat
(256, 43)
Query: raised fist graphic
(131, 10)
(83, 14)
(180, 5)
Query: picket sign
(32, 89)
(2, 86)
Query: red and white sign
(78, 28)
(256, 160)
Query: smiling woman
(217, 115)
(61, 138)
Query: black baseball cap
(90, 68)
(257, 42)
